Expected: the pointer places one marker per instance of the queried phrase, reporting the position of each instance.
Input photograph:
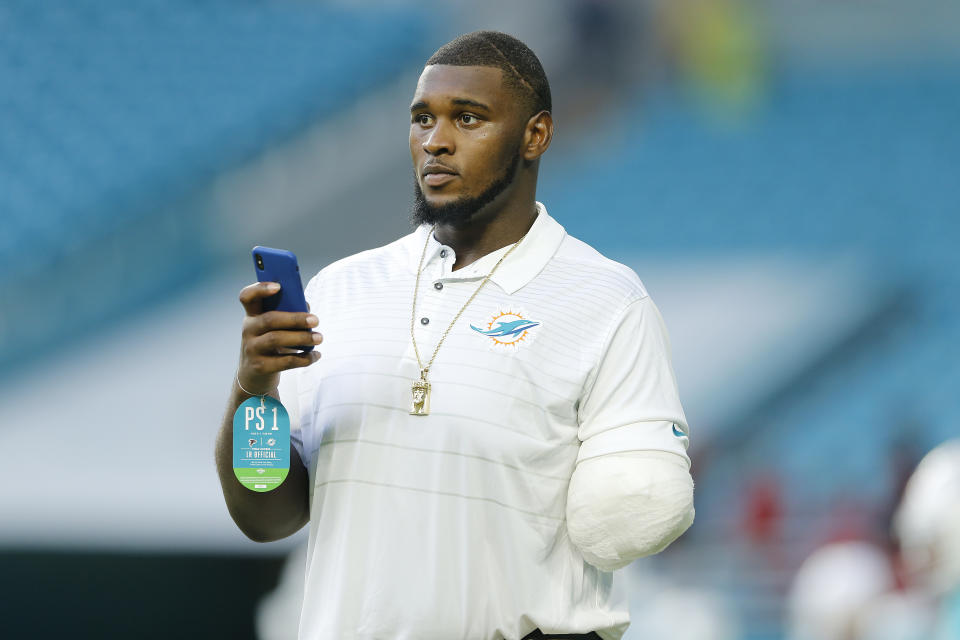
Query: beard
(465, 207)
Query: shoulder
(577, 262)
(372, 263)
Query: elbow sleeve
(625, 506)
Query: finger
(304, 359)
(280, 321)
(251, 296)
(291, 361)
(274, 342)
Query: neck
(486, 232)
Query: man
(927, 525)
(494, 426)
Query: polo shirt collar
(522, 266)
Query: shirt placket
(431, 317)
(442, 294)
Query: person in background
(927, 524)
(832, 589)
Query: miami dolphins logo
(506, 329)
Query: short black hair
(521, 68)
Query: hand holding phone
(278, 331)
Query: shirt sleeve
(632, 403)
(289, 398)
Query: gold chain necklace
(421, 387)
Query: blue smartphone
(278, 265)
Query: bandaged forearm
(624, 506)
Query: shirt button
(443, 253)
(424, 320)
(438, 285)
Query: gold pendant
(421, 396)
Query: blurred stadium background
(783, 176)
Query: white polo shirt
(452, 525)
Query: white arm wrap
(623, 506)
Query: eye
(422, 119)
(469, 119)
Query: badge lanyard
(261, 442)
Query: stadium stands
(113, 114)
(862, 163)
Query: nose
(439, 139)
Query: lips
(436, 174)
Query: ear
(537, 135)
